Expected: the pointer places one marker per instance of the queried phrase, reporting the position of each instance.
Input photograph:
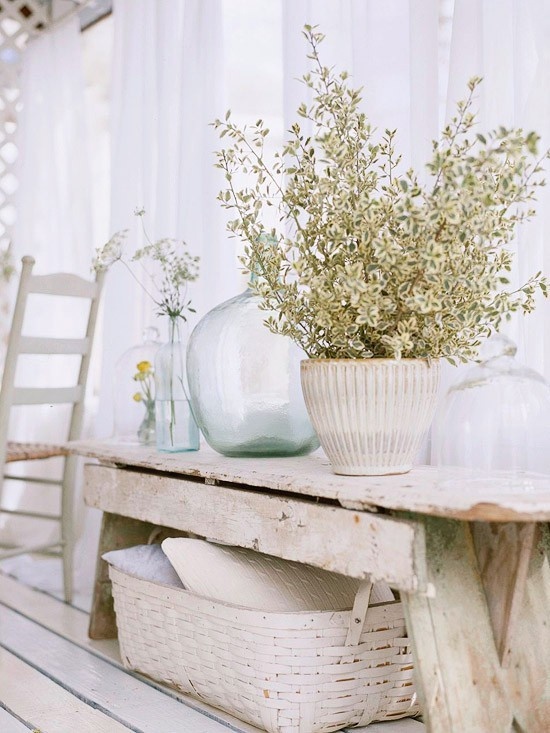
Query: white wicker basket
(285, 672)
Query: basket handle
(355, 628)
(359, 613)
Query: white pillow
(251, 579)
(147, 562)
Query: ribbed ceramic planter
(371, 415)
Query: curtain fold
(167, 89)
(53, 197)
(506, 43)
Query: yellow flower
(144, 366)
(138, 397)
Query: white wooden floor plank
(142, 707)
(32, 696)
(9, 724)
(65, 620)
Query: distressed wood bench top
(417, 491)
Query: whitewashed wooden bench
(472, 569)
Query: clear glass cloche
(492, 430)
(134, 392)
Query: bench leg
(117, 533)
(465, 682)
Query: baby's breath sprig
(367, 261)
(175, 264)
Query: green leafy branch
(365, 260)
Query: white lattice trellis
(19, 19)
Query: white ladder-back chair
(58, 285)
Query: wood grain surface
(418, 491)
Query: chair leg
(68, 570)
(67, 527)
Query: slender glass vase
(176, 428)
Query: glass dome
(134, 392)
(245, 384)
(492, 431)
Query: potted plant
(375, 274)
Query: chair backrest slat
(62, 284)
(47, 395)
(47, 345)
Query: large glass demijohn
(244, 384)
(492, 431)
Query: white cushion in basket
(251, 579)
(144, 561)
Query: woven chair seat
(33, 451)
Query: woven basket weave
(286, 672)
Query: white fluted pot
(371, 415)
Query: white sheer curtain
(507, 44)
(167, 88)
(53, 225)
(390, 49)
(53, 209)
